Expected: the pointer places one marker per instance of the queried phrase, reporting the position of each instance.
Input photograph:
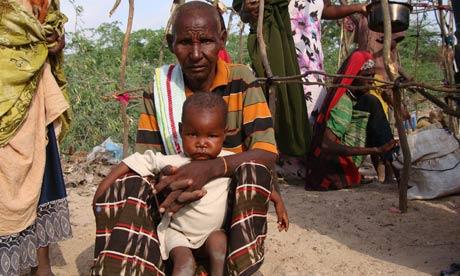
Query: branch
(260, 40)
(121, 86)
(391, 71)
(411, 83)
(263, 55)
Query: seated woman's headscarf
(357, 61)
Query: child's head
(203, 127)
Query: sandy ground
(347, 232)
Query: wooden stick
(240, 50)
(229, 25)
(411, 83)
(445, 107)
(390, 67)
(261, 41)
(121, 84)
(263, 55)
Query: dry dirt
(347, 232)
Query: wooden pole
(392, 71)
(448, 66)
(266, 64)
(229, 25)
(241, 49)
(122, 82)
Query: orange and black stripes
(249, 115)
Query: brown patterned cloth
(126, 239)
(127, 218)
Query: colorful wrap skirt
(18, 252)
(127, 218)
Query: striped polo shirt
(249, 123)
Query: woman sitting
(351, 124)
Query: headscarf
(354, 63)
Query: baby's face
(203, 133)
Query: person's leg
(378, 128)
(215, 248)
(116, 242)
(183, 261)
(250, 196)
(379, 166)
(44, 265)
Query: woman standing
(34, 112)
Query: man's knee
(254, 173)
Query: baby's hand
(283, 219)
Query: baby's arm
(281, 212)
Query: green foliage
(92, 66)
(331, 44)
(233, 47)
(424, 62)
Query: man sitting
(126, 240)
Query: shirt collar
(222, 75)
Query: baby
(196, 229)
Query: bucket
(399, 16)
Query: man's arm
(201, 172)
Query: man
(196, 38)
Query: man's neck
(203, 86)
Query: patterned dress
(306, 29)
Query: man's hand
(185, 184)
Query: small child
(197, 227)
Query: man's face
(196, 43)
(203, 133)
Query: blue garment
(53, 187)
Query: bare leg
(379, 167)
(183, 260)
(216, 249)
(395, 171)
(44, 266)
